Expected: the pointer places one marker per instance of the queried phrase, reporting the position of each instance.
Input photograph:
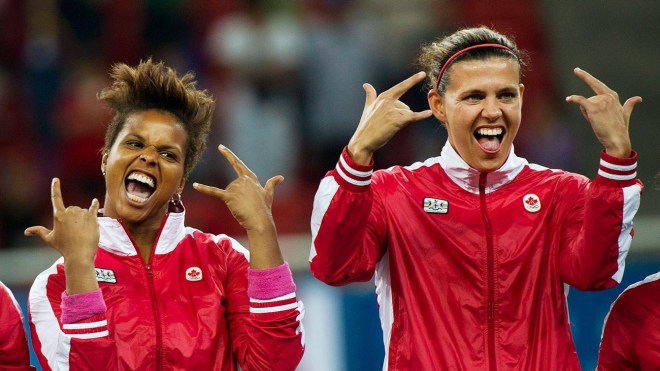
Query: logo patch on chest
(532, 202)
(193, 274)
(435, 205)
(105, 275)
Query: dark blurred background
(287, 78)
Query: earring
(176, 206)
(103, 170)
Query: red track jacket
(631, 335)
(14, 351)
(472, 270)
(187, 309)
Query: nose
(148, 155)
(491, 110)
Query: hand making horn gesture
(75, 230)
(251, 205)
(248, 201)
(75, 235)
(608, 118)
(383, 116)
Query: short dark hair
(434, 55)
(151, 85)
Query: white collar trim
(468, 178)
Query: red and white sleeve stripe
(351, 172)
(615, 168)
(90, 328)
(278, 304)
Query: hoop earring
(175, 205)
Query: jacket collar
(468, 178)
(115, 239)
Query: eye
(474, 97)
(134, 144)
(169, 155)
(508, 95)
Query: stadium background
(287, 76)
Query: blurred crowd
(287, 77)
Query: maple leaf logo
(194, 274)
(531, 201)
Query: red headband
(444, 67)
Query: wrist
(621, 148)
(360, 155)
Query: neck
(144, 237)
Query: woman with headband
(473, 251)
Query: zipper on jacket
(152, 290)
(159, 330)
(490, 253)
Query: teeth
(136, 198)
(489, 132)
(142, 178)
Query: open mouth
(139, 186)
(489, 139)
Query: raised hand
(251, 205)
(383, 116)
(248, 201)
(75, 235)
(608, 118)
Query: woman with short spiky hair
(137, 289)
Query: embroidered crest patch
(193, 274)
(105, 275)
(435, 205)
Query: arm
(14, 352)
(66, 307)
(266, 333)
(348, 226)
(68, 332)
(264, 316)
(598, 231)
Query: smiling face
(481, 109)
(144, 167)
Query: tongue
(489, 144)
(138, 189)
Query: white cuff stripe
(357, 173)
(88, 325)
(279, 298)
(351, 180)
(617, 177)
(612, 166)
(92, 335)
(274, 309)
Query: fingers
(596, 85)
(94, 207)
(236, 163)
(401, 88)
(370, 93)
(630, 104)
(272, 182)
(577, 99)
(38, 231)
(56, 195)
(210, 191)
(418, 116)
